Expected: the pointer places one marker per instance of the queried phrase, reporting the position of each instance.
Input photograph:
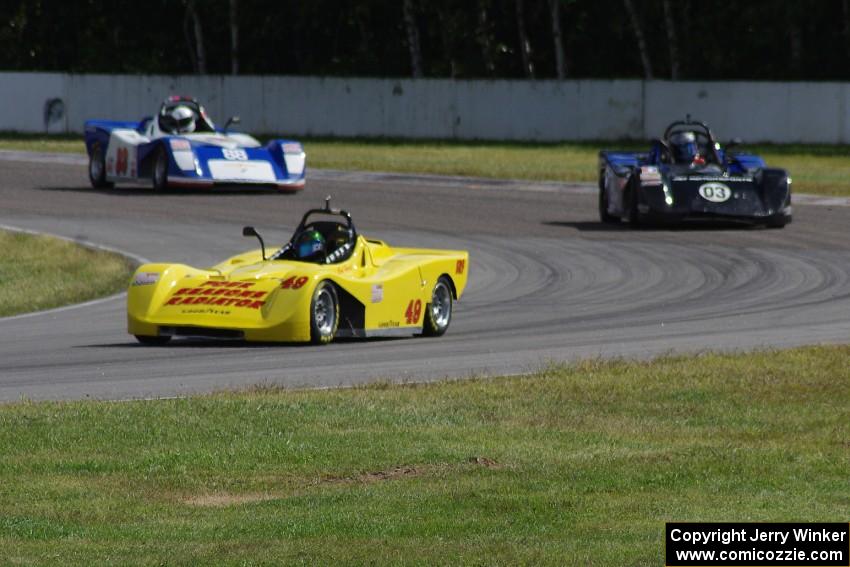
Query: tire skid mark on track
(547, 282)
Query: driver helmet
(184, 119)
(684, 146)
(309, 244)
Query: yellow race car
(327, 281)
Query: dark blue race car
(687, 175)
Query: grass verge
(817, 169)
(579, 465)
(39, 272)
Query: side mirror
(231, 120)
(250, 231)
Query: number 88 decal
(414, 310)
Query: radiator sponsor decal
(225, 294)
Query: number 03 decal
(414, 310)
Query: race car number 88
(240, 155)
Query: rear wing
(621, 161)
(99, 130)
(747, 161)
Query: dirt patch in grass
(485, 462)
(224, 499)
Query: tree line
(533, 39)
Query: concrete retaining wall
(436, 108)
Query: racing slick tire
(324, 314)
(97, 168)
(777, 221)
(159, 174)
(149, 340)
(604, 215)
(438, 313)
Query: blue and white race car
(181, 147)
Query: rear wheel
(148, 340)
(324, 314)
(97, 168)
(160, 170)
(439, 312)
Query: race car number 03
(715, 192)
(414, 310)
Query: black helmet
(684, 146)
(309, 244)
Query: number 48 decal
(293, 282)
(414, 310)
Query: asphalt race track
(548, 282)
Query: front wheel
(324, 314)
(97, 168)
(160, 170)
(439, 312)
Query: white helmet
(184, 119)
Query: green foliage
(759, 39)
(573, 465)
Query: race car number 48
(715, 192)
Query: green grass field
(817, 169)
(38, 272)
(573, 465)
